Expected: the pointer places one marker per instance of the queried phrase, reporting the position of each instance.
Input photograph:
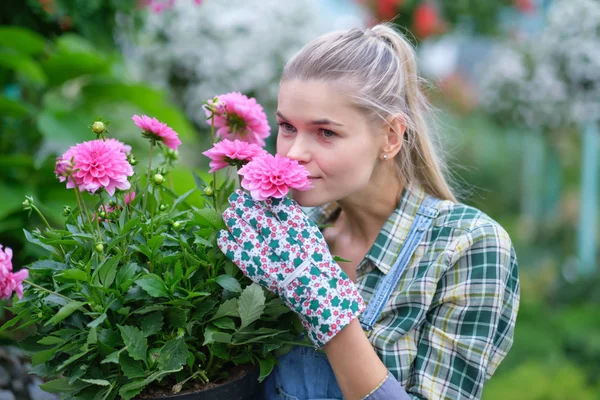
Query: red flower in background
(388, 9)
(525, 6)
(427, 21)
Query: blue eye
(286, 127)
(327, 133)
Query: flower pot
(242, 385)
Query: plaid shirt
(450, 322)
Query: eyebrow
(322, 121)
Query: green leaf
(251, 304)
(92, 337)
(75, 274)
(152, 323)
(148, 309)
(229, 282)
(131, 368)
(225, 323)
(153, 285)
(62, 385)
(229, 308)
(23, 40)
(182, 198)
(64, 312)
(49, 340)
(136, 342)
(46, 265)
(200, 184)
(125, 274)
(95, 323)
(13, 108)
(43, 356)
(155, 242)
(113, 357)
(25, 66)
(213, 335)
(132, 389)
(220, 350)
(266, 366)
(173, 354)
(99, 382)
(340, 259)
(108, 270)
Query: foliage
(138, 292)
(50, 88)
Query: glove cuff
(326, 304)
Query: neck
(364, 213)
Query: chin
(308, 198)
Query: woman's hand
(277, 245)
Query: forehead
(308, 100)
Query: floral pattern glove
(278, 246)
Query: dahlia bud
(163, 207)
(27, 203)
(99, 247)
(132, 160)
(66, 211)
(176, 225)
(112, 203)
(102, 214)
(98, 127)
(63, 167)
(208, 191)
(158, 179)
(172, 154)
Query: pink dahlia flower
(10, 282)
(5, 261)
(98, 164)
(155, 130)
(119, 145)
(227, 152)
(273, 176)
(244, 119)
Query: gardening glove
(278, 246)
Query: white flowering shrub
(219, 46)
(551, 79)
(571, 42)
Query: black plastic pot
(246, 387)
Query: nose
(300, 149)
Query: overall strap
(425, 215)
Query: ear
(394, 129)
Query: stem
(212, 135)
(41, 216)
(210, 361)
(45, 290)
(148, 177)
(83, 206)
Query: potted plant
(134, 298)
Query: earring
(384, 157)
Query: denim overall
(304, 373)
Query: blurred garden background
(516, 83)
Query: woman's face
(320, 129)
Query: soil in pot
(242, 384)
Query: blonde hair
(379, 64)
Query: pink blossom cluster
(155, 130)
(10, 282)
(243, 119)
(273, 176)
(96, 164)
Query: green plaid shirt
(451, 320)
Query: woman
(426, 306)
